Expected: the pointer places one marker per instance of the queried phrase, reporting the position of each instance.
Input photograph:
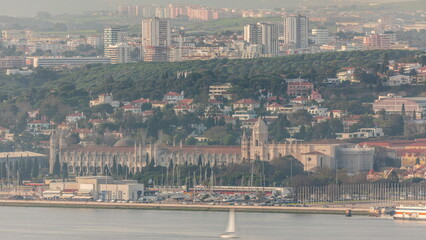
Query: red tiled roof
(275, 105)
(321, 117)
(246, 101)
(75, 115)
(141, 100)
(38, 122)
(148, 112)
(159, 102)
(299, 83)
(69, 190)
(128, 106)
(300, 99)
(182, 106)
(272, 99)
(185, 101)
(95, 120)
(172, 94)
(82, 130)
(213, 101)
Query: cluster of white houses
(99, 160)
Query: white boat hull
(229, 236)
(410, 213)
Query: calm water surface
(63, 224)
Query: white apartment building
(321, 36)
(296, 31)
(118, 53)
(264, 34)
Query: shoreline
(183, 207)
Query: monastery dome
(125, 142)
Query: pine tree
(114, 168)
(22, 167)
(29, 169)
(4, 170)
(403, 110)
(57, 167)
(147, 159)
(200, 160)
(106, 171)
(64, 170)
(15, 168)
(35, 169)
(119, 170)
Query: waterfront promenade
(186, 207)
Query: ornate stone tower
(260, 133)
(57, 142)
(245, 147)
(259, 141)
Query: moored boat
(410, 213)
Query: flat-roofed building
(104, 188)
(12, 62)
(395, 105)
(9, 157)
(218, 91)
(299, 88)
(52, 62)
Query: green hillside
(132, 81)
(152, 80)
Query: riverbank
(183, 207)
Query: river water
(29, 223)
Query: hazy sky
(29, 8)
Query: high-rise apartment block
(321, 36)
(264, 34)
(156, 38)
(378, 41)
(113, 35)
(296, 30)
(118, 53)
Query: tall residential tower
(296, 30)
(156, 38)
(263, 34)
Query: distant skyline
(29, 8)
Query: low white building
(318, 111)
(244, 115)
(19, 72)
(101, 188)
(173, 97)
(362, 133)
(106, 98)
(398, 80)
(74, 117)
